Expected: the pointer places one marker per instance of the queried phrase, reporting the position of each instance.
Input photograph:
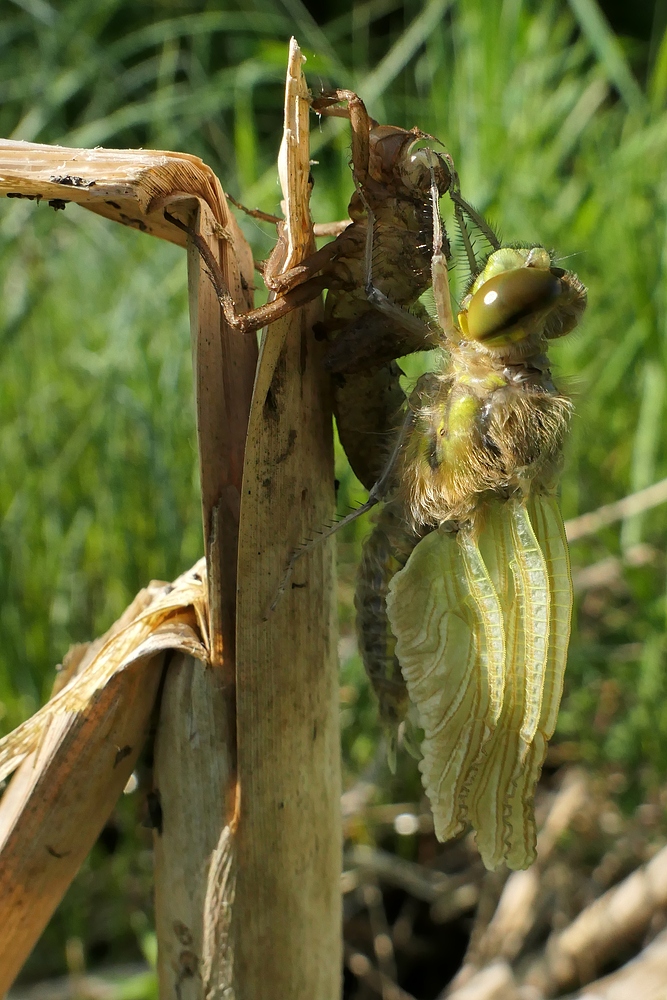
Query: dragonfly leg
(439, 272)
(320, 260)
(254, 213)
(474, 216)
(346, 242)
(331, 228)
(361, 123)
(254, 319)
(319, 228)
(463, 208)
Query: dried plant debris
(595, 897)
(182, 603)
(130, 186)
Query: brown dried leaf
(183, 602)
(130, 186)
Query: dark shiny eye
(417, 166)
(497, 309)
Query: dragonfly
(463, 596)
(464, 581)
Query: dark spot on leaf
(270, 403)
(71, 180)
(189, 964)
(56, 854)
(135, 223)
(182, 933)
(121, 754)
(291, 440)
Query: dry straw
(247, 852)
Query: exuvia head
(422, 165)
(399, 155)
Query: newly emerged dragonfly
(479, 617)
(464, 596)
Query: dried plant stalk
(133, 187)
(84, 745)
(195, 753)
(286, 931)
(194, 846)
(286, 919)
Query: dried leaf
(183, 602)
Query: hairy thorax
(484, 427)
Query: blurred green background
(556, 115)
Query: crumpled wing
(450, 646)
(461, 603)
(549, 531)
(498, 817)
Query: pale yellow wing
(536, 596)
(485, 596)
(490, 793)
(450, 644)
(549, 531)
(482, 625)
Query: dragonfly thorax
(493, 424)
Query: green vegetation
(555, 141)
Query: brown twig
(617, 919)
(644, 977)
(361, 967)
(635, 503)
(422, 883)
(516, 911)
(495, 982)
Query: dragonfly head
(520, 298)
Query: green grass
(555, 140)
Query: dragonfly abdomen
(369, 412)
(385, 552)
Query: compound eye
(498, 307)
